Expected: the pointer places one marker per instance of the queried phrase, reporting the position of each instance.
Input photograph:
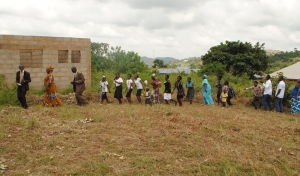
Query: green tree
(157, 63)
(99, 58)
(238, 57)
(105, 57)
(126, 62)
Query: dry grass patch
(143, 140)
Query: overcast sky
(159, 28)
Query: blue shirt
(189, 84)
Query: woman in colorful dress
(295, 103)
(190, 90)
(51, 97)
(206, 90)
(156, 84)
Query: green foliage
(115, 59)
(157, 63)
(238, 57)
(284, 59)
(284, 56)
(8, 94)
(212, 68)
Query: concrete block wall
(37, 52)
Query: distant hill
(149, 61)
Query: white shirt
(281, 85)
(268, 87)
(103, 86)
(119, 80)
(147, 95)
(128, 83)
(138, 83)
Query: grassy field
(138, 140)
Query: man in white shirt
(279, 94)
(267, 93)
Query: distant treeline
(284, 56)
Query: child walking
(148, 97)
(224, 96)
(103, 89)
(129, 88)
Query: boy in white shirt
(148, 97)
(279, 94)
(103, 89)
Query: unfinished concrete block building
(37, 52)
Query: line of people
(224, 92)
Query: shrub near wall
(8, 94)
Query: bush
(7, 93)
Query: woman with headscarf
(295, 103)
(206, 90)
(51, 97)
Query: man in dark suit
(78, 86)
(22, 80)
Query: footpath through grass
(138, 140)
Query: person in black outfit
(230, 92)
(22, 80)
(180, 90)
(167, 92)
(219, 87)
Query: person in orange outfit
(51, 97)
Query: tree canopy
(158, 63)
(114, 58)
(238, 57)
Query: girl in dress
(118, 91)
(139, 86)
(129, 88)
(180, 91)
(167, 93)
(190, 89)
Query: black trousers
(21, 94)
(259, 99)
(228, 100)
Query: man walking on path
(22, 80)
(78, 86)
(279, 94)
(267, 93)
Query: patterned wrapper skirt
(295, 105)
(190, 94)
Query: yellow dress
(224, 97)
(51, 97)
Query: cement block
(38, 70)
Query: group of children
(150, 96)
